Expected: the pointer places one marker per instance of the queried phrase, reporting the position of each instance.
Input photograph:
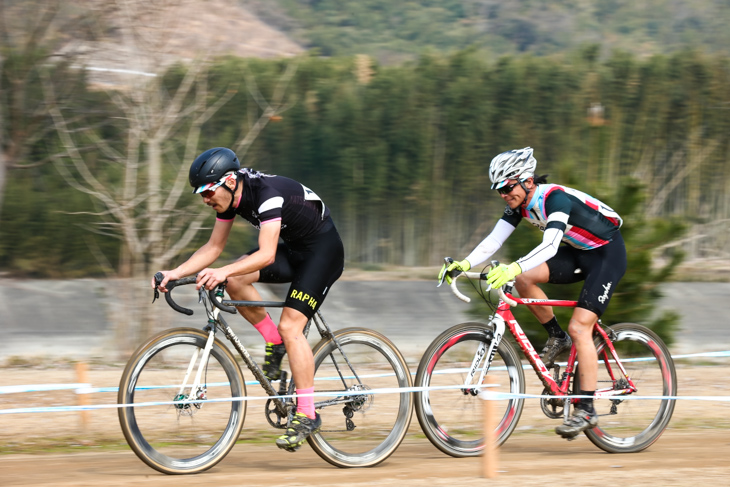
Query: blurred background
(390, 111)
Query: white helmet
(514, 164)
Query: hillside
(393, 31)
(162, 34)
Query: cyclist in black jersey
(310, 256)
(592, 251)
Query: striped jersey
(585, 221)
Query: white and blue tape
(81, 388)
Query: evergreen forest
(400, 153)
(392, 32)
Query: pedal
(568, 437)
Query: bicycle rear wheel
(452, 417)
(628, 425)
(175, 438)
(360, 430)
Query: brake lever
(494, 264)
(158, 279)
(218, 289)
(447, 261)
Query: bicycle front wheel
(364, 417)
(450, 413)
(628, 425)
(181, 438)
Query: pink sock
(305, 404)
(268, 330)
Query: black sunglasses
(507, 189)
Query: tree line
(399, 153)
(393, 31)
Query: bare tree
(161, 129)
(32, 33)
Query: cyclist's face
(512, 193)
(214, 198)
(219, 199)
(516, 194)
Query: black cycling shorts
(311, 265)
(600, 268)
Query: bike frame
(503, 316)
(213, 303)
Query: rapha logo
(507, 210)
(604, 297)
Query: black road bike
(182, 392)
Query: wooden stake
(490, 457)
(82, 377)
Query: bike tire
(380, 420)
(636, 424)
(452, 419)
(180, 439)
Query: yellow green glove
(499, 276)
(463, 266)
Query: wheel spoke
(451, 416)
(189, 437)
(628, 425)
(361, 430)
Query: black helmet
(211, 166)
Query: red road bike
(633, 361)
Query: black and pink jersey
(586, 222)
(267, 198)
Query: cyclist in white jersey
(593, 251)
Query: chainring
(273, 416)
(553, 407)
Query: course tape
(41, 388)
(384, 390)
(87, 389)
(489, 395)
(496, 396)
(725, 353)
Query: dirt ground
(60, 449)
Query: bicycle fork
(197, 392)
(485, 352)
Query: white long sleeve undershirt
(491, 244)
(502, 230)
(545, 251)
